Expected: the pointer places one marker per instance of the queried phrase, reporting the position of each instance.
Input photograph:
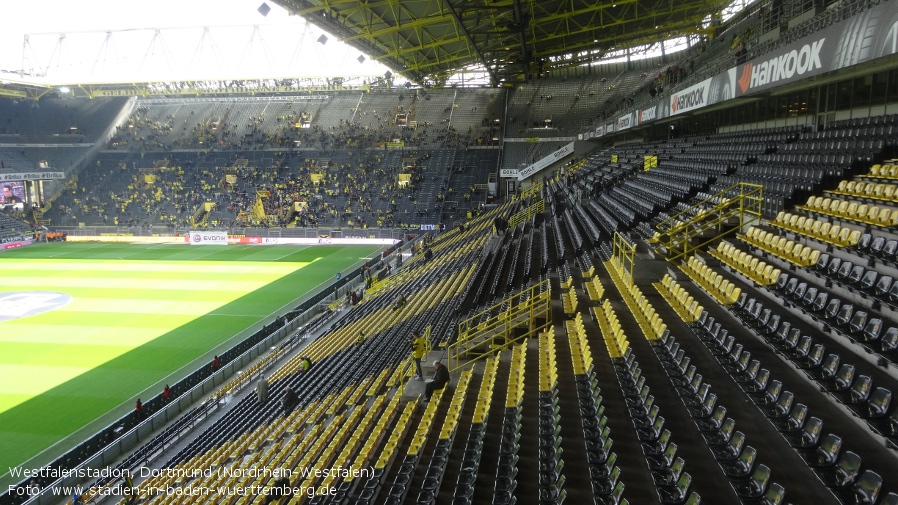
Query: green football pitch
(136, 315)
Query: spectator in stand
(289, 401)
(418, 349)
(138, 409)
(741, 53)
(216, 363)
(166, 394)
(400, 302)
(439, 381)
(262, 390)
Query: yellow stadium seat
(800, 254)
(876, 191)
(782, 244)
(893, 172)
(889, 193)
(734, 295)
(822, 203)
(844, 206)
(891, 220)
(843, 186)
(883, 216)
(854, 236)
(724, 286)
(854, 209)
(875, 170)
(806, 226)
(812, 258)
(871, 215)
(833, 235)
(824, 231)
(797, 250)
(780, 217)
(842, 236)
(815, 228)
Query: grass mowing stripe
(42, 420)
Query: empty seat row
(875, 215)
(672, 483)
(603, 472)
(869, 190)
(833, 234)
(781, 247)
(750, 266)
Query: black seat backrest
(868, 280)
(809, 296)
(844, 270)
(893, 292)
(872, 329)
(856, 273)
(867, 487)
(820, 302)
(890, 339)
(877, 245)
(890, 249)
(882, 285)
(834, 265)
(845, 314)
(858, 320)
(831, 362)
(832, 308)
(815, 356)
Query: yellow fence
(686, 232)
(533, 190)
(625, 252)
(481, 336)
(526, 214)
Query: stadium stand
(768, 343)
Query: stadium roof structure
(429, 40)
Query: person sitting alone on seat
(289, 401)
(361, 338)
(439, 381)
(305, 364)
(400, 302)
